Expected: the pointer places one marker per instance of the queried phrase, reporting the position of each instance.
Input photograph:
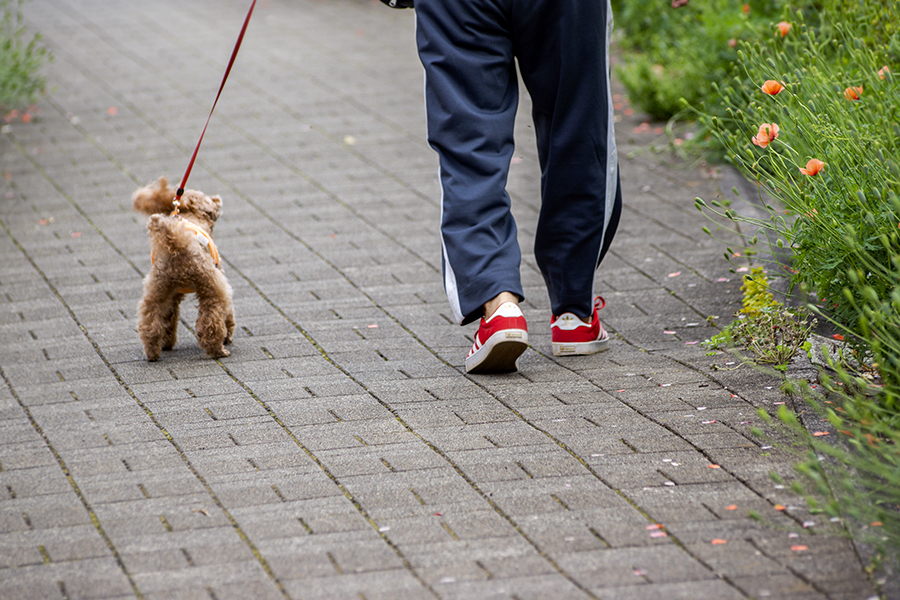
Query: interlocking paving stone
(341, 451)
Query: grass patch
(20, 60)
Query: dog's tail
(154, 198)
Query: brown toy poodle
(184, 261)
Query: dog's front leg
(211, 328)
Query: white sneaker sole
(499, 353)
(579, 348)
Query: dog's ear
(217, 208)
(154, 198)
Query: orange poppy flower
(882, 71)
(784, 27)
(853, 93)
(772, 87)
(767, 133)
(813, 167)
(746, 8)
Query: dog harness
(205, 240)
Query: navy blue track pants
(469, 49)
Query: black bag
(399, 3)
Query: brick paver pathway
(341, 451)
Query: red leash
(190, 166)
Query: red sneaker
(500, 340)
(572, 336)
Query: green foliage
(858, 473)
(765, 327)
(656, 89)
(757, 296)
(772, 334)
(838, 227)
(670, 55)
(20, 62)
(841, 224)
(674, 58)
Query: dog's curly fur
(182, 264)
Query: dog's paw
(218, 352)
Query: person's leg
(471, 94)
(562, 48)
(491, 306)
